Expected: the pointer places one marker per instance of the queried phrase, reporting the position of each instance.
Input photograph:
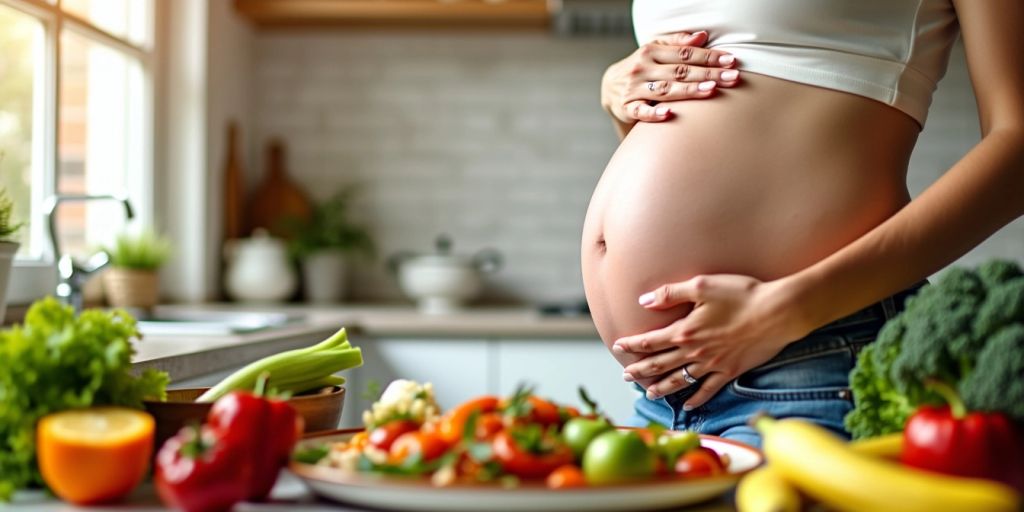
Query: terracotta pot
(130, 288)
(320, 411)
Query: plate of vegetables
(520, 452)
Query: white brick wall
(496, 139)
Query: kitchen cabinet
(414, 13)
(557, 367)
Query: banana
(888, 446)
(823, 466)
(765, 490)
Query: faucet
(72, 275)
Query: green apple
(579, 432)
(618, 456)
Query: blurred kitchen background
(479, 120)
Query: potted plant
(132, 280)
(8, 246)
(323, 243)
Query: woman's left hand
(737, 323)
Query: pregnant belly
(762, 180)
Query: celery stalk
(294, 368)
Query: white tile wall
(496, 139)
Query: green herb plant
(965, 330)
(8, 228)
(143, 251)
(330, 227)
(58, 361)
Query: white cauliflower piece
(403, 399)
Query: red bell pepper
(950, 440)
(267, 429)
(197, 471)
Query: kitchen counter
(289, 494)
(184, 357)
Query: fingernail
(651, 395)
(687, 407)
(706, 86)
(730, 75)
(663, 111)
(726, 59)
(627, 377)
(648, 298)
(619, 349)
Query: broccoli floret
(1003, 306)
(998, 383)
(997, 272)
(965, 329)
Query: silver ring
(650, 86)
(687, 377)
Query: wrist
(797, 300)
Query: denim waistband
(882, 310)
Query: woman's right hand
(673, 68)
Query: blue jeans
(808, 379)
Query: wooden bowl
(320, 410)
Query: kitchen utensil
(277, 199)
(404, 493)
(234, 187)
(442, 282)
(320, 410)
(258, 269)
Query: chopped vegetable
(58, 361)
(403, 400)
(294, 371)
(966, 330)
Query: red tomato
(453, 423)
(566, 477)
(699, 462)
(522, 463)
(428, 446)
(488, 425)
(543, 411)
(383, 436)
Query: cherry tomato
(699, 462)
(453, 423)
(566, 477)
(618, 456)
(488, 425)
(383, 436)
(543, 411)
(522, 463)
(428, 446)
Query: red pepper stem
(956, 404)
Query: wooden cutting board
(277, 199)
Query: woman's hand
(674, 68)
(737, 323)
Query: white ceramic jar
(443, 282)
(258, 269)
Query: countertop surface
(185, 356)
(289, 494)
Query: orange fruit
(94, 455)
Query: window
(75, 118)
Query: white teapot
(258, 269)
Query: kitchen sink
(172, 322)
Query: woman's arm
(673, 68)
(740, 322)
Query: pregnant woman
(774, 203)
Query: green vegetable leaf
(57, 361)
(311, 455)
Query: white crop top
(893, 51)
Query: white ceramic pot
(443, 282)
(324, 276)
(258, 269)
(7, 250)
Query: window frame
(35, 277)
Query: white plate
(401, 494)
